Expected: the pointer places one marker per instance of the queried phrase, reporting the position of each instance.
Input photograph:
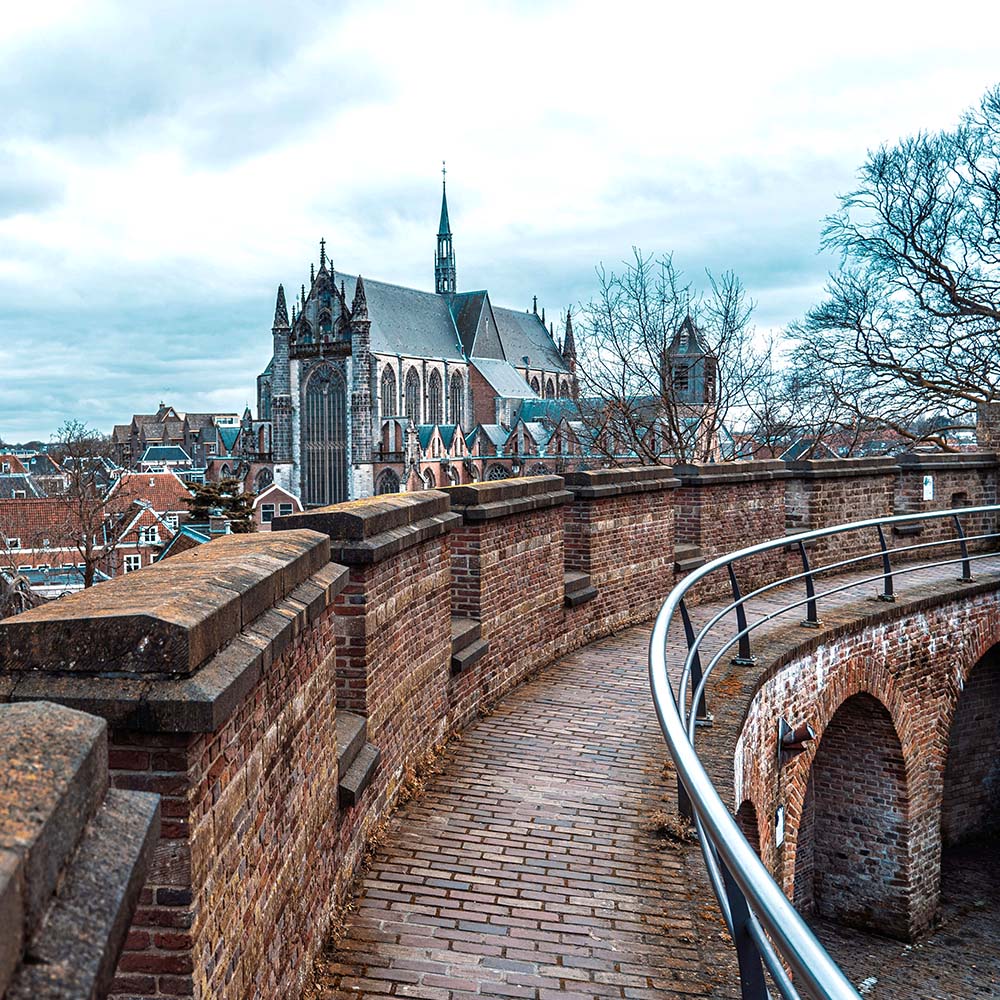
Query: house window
(149, 536)
(171, 521)
(19, 494)
(4, 466)
(13, 543)
(132, 563)
(43, 566)
(267, 512)
(284, 509)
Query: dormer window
(149, 536)
(13, 544)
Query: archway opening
(746, 819)
(852, 862)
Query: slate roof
(467, 307)
(688, 339)
(506, 382)
(407, 321)
(424, 433)
(165, 453)
(524, 335)
(496, 434)
(447, 432)
(547, 409)
(9, 484)
(228, 436)
(41, 465)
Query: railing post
(811, 619)
(743, 658)
(887, 591)
(966, 576)
(752, 986)
(701, 716)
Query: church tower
(444, 259)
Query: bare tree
(911, 320)
(95, 516)
(663, 366)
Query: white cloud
(174, 163)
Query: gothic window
(325, 323)
(539, 470)
(456, 399)
(550, 389)
(429, 481)
(564, 388)
(681, 378)
(435, 399)
(324, 438)
(535, 387)
(496, 472)
(389, 405)
(388, 482)
(412, 391)
(263, 480)
(305, 333)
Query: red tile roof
(161, 489)
(16, 466)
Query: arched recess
(411, 391)
(496, 472)
(324, 438)
(430, 482)
(970, 806)
(387, 393)
(388, 482)
(263, 480)
(746, 819)
(535, 387)
(550, 389)
(456, 399)
(852, 846)
(435, 398)
(564, 389)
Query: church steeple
(280, 311)
(444, 259)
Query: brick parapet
(619, 530)
(721, 508)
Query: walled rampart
(277, 690)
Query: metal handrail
(766, 929)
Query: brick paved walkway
(532, 865)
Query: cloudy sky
(164, 165)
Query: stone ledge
(947, 461)
(478, 502)
(620, 482)
(369, 517)
(203, 702)
(727, 473)
(843, 468)
(73, 854)
(168, 618)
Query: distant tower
(444, 259)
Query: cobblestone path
(534, 865)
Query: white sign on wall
(779, 826)
(928, 487)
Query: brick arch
(970, 800)
(853, 860)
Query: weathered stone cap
(618, 482)
(166, 619)
(371, 529)
(719, 473)
(73, 855)
(489, 500)
(958, 461)
(839, 468)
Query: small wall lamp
(791, 742)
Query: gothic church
(363, 367)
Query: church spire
(444, 259)
(280, 311)
(322, 254)
(569, 344)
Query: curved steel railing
(766, 929)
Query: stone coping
(73, 855)
(620, 482)
(843, 468)
(367, 531)
(488, 501)
(943, 461)
(168, 618)
(727, 473)
(201, 703)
